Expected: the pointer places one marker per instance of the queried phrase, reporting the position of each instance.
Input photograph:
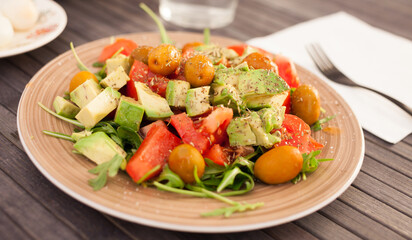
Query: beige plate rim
(245, 226)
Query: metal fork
(324, 64)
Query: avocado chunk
(99, 107)
(65, 108)
(155, 106)
(227, 96)
(264, 139)
(272, 118)
(116, 79)
(240, 133)
(99, 148)
(77, 135)
(176, 92)
(129, 113)
(85, 93)
(120, 60)
(197, 101)
(259, 101)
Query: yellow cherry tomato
(80, 78)
(199, 71)
(182, 161)
(306, 103)
(279, 165)
(164, 59)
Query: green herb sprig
(109, 168)
(310, 164)
(318, 124)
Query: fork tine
(330, 67)
(315, 57)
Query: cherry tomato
(257, 60)
(182, 161)
(199, 71)
(279, 165)
(141, 53)
(306, 103)
(80, 78)
(164, 59)
(108, 51)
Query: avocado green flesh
(65, 108)
(99, 147)
(272, 118)
(85, 93)
(116, 79)
(99, 107)
(227, 96)
(264, 139)
(240, 133)
(176, 92)
(155, 106)
(197, 101)
(129, 113)
(120, 60)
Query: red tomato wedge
(108, 51)
(154, 150)
(217, 155)
(144, 130)
(185, 127)
(295, 132)
(139, 72)
(215, 124)
(287, 70)
(287, 103)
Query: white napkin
(365, 54)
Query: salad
(204, 120)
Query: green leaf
(228, 211)
(105, 127)
(310, 164)
(230, 177)
(128, 135)
(162, 30)
(98, 64)
(171, 178)
(213, 168)
(144, 177)
(110, 167)
(318, 124)
(244, 163)
(59, 135)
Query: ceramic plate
(126, 200)
(52, 21)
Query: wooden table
(377, 205)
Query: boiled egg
(22, 14)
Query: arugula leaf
(213, 168)
(310, 164)
(59, 135)
(107, 168)
(98, 64)
(171, 178)
(230, 176)
(80, 64)
(244, 163)
(69, 120)
(228, 211)
(318, 124)
(144, 177)
(128, 135)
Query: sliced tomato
(217, 155)
(185, 127)
(144, 130)
(139, 72)
(287, 70)
(214, 125)
(108, 51)
(154, 150)
(287, 103)
(295, 132)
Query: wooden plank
(379, 211)
(13, 76)
(289, 231)
(358, 223)
(388, 158)
(324, 228)
(10, 230)
(26, 211)
(402, 149)
(379, 189)
(9, 99)
(66, 209)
